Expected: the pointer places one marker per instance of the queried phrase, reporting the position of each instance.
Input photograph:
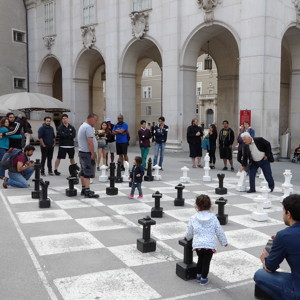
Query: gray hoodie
(203, 228)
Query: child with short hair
(136, 176)
(203, 227)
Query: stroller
(296, 158)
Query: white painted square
(183, 214)
(120, 284)
(63, 243)
(148, 198)
(252, 207)
(234, 266)
(134, 208)
(92, 202)
(43, 216)
(176, 182)
(253, 195)
(167, 190)
(246, 221)
(225, 185)
(105, 223)
(131, 256)
(21, 199)
(245, 238)
(172, 230)
(212, 193)
(69, 204)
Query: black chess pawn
(157, 211)
(179, 201)
(149, 176)
(112, 190)
(119, 177)
(222, 217)
(221, 190)
(36, 193)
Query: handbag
(205, 144)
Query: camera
(269, 245)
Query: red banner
(245, 115)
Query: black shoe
(122, 168)
(98, 168)
(90, 194)
(232, 169)
(225, 169)
(272, 189)
(5, 182)
(56, 172)
(43, 174)
(161, 169)
(51, 173)
(251, 191)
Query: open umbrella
(27, 102)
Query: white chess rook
(184, 178)
(156, 175)
(241, 186)
(125, 175)
(206, 176)
(103, 177)
(259, 215)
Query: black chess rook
(221, 190)
(36, 193)
(179, 201)
(146, 244)
(112, 190)
(149, 176)
(157, 211)
(186, 269)
(44, 200)
(222, 217)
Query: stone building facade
(92, 54)
(13, 47)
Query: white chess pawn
(125, 175)
(103, 177)
(206, 176)
(156, 175)
(265, 194)
(241, 186)
(185, 178)
(259, 215)
(287, 181)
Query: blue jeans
(2, 152)
(19, 179)
(158, 147)
(137, 185)
(276, 284)
(266, 168)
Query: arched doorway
(137, 56)
(209, 117)
(89, 80)
(290, 88)
(223, 48)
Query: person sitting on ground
(21, 170)
(202, 228)
(286, 245)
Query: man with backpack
(21, 168)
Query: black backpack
(6, 162)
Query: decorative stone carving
(30, 3)
(139, 23)
(49, 41)
(208, 6)
(297, 7)
(88, 36)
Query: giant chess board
(86, 248)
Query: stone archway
(134, 60)
(223, 48)
(290, 87)
(89, 80)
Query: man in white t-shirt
(86, 153)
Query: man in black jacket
(259, 154)
(14, 127)
(66, 133)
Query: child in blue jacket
(136, 176)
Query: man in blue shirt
(286, 245)
(120, 130)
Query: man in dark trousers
(66, 133)
(226, 139)
(14, 127)
(259, 153)
(47, 141)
